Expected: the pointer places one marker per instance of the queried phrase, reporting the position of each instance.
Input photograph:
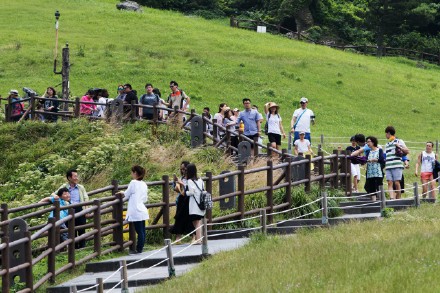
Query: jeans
(139, 226)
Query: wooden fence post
(56, 215)
(33, 107)
(324, 208)
(28, 259)
(335, 169)
(5, 265)
(416, 195)
(383, 200)
(119, 231)
(51, 245)
(133, 111)
(255, 147)
(205, 251)
(269, 151)
(288, 179)
(77, 108)
(171, 268)
(308, 173)
(100, 287)
(214, 131)
(321, 169)
(209, 189)
(263, 221)
(124, 276)
(71, 233)
(166, 208)
(97, 226)
(155, 116)
(269, 193)
(322, 139)
(4, 217)
(241, 189)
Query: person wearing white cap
(301, 119)
(17, 106)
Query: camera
(29, 92)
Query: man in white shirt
(301, 120)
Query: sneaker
(132, 252)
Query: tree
(300, 10)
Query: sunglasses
(302, 103)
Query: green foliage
(387, 212)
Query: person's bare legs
(424, 188)
(198, 231)
(390, 189)
(398, 191)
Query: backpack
(266, 126)
(205, 198)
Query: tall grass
(393, 255)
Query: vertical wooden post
(65, 73)
(436, 144)
(324, 208)
(209, 189)
(205, 251)
(322, 139)
(4, 218)
(383, 200)
(429, 191)
(32, 102)
(155, 116)
(9, 109)
(321, 170)
(116, 231)
(56, 215)
(97, 227)
(269, 193)
(255, 147)
(166, 207)
(124, 276)
(308, 173)
(171, 269)
(288, 179)
(214, 131)
(348, 175)
(71, 233)
(335, 169)
(119, 230)
(263, 221)
(51, 244)
(100, 283)
(416, 195)
(6, 284)
(269, 149)
(133, 111)
(77, 107)
(28, 259)
(241, 189)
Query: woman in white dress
(194, 190)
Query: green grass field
(214, 63)
(399, 254)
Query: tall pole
(57, 17)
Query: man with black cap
(301, 119)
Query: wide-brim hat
(272, 104)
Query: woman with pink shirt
(87, 109)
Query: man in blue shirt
(251, 119)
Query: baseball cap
(13, 92)
(302, 132)
(304, 100)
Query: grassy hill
(393, 255)
(214, 63)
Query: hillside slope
(213, 63)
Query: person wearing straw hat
(301, 120)
(274, 125)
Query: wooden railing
(104, 226)
(252, 24)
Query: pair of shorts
(394, 174)
(251, 137)
(356, 170)
(273, 137)
(426, 176)
(195, 217)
